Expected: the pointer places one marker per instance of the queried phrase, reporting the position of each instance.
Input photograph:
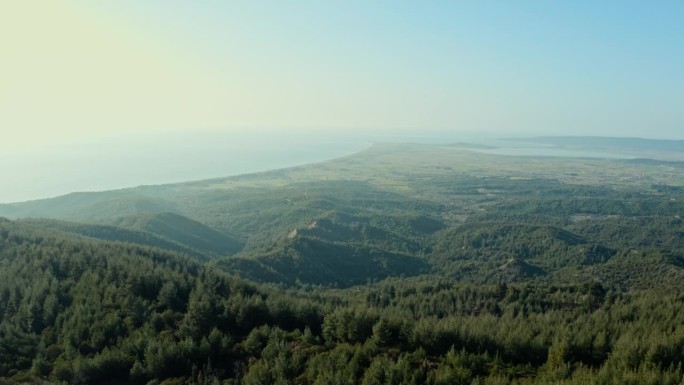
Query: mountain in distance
(606, 142)
(641, 148)
(509, 252)
(515, 270)
(92, 207)
(338, 249)
(165, 230)
(182, 231)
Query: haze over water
(132, 160)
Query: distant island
(608, 142)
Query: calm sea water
(119, 162)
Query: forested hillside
(403, 264)
(80, 311)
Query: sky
(89, 90)
(75, 69)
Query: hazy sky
(74, 69)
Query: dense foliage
(83, 311)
